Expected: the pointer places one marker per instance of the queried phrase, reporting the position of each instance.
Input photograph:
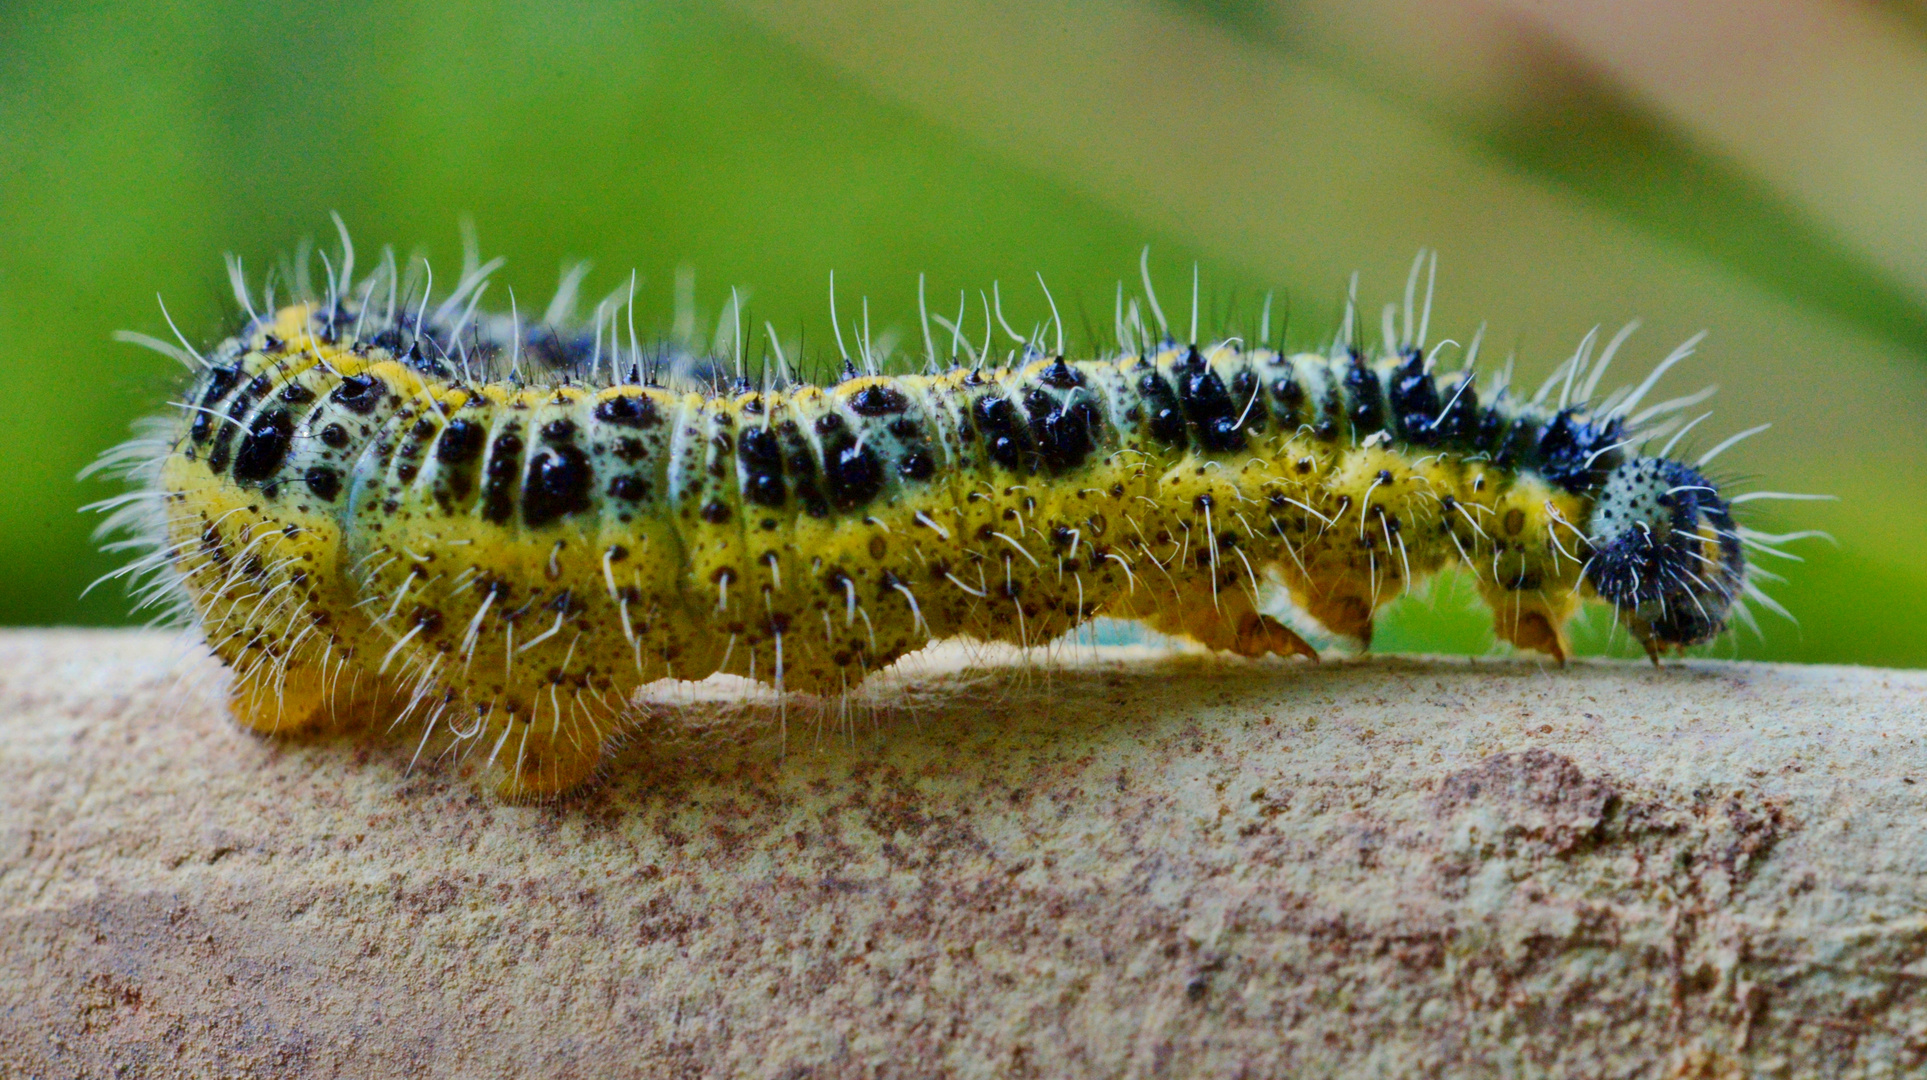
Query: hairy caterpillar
(516, 526)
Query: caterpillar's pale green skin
(513, 558)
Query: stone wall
(1116, 864)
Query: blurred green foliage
(137, 143)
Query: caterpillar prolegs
(517, 526)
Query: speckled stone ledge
(1121, 865)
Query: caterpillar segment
(509, 557)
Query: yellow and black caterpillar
(515, 527)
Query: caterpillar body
(515, 527)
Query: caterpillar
(514, 527)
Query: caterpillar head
(1665, 553)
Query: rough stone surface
(1124, 865)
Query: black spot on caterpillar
(517, 526)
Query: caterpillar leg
(1537, 624)
(1260, 634)
(534, 760)
(276, 700)
(1230, 625)
(1340, 610)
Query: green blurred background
(1758, 170)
